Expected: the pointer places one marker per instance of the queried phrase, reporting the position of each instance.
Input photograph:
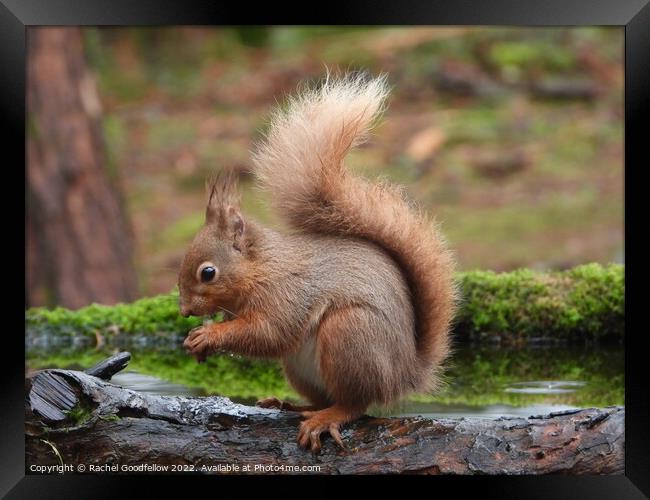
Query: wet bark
(78, 239)
(75, 418)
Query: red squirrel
(356, 301)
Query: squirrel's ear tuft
(234, 226)
(222, 196)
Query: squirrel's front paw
(270, 403)
(200, 343)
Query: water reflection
(153, 385)
(545, 387)
(485, 381)
(433, 410)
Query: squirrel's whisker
(229, 312)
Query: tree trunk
(79, 242)
(76, 418)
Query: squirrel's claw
(198, 343)
(334, 432)
(311, 429)
(309, 436)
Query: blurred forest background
(512, 137)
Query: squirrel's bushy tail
(301, 164)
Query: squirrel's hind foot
(327, 420)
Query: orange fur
(358, 301)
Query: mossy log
(75, 418)
(583, 303)
(586, 303)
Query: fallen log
(75, 418)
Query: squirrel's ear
(222, 196)
(235, 226)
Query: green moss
(79, 414)
(152, 315)
(110, 418)
(583, 303)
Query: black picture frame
(634, 15)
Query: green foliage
(586, 302)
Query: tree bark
(74, 418)
(79, 241)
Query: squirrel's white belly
(305, 365)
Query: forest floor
(512, 137)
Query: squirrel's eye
(208, 274)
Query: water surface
(481, 381)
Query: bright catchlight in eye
(207, 272)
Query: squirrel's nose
(186, 311)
